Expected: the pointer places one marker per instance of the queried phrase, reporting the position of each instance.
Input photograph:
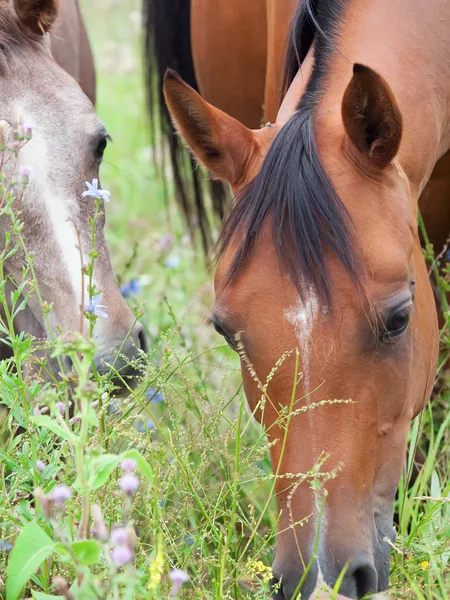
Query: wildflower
(95, 308)
(424, 565)
(59, 494)
(129, 483)
(172, 261)
(36, 411)
(177, 577)
(128, 465)
(156, 569)
(121, 555)
(61, 407)
(189, 540)
(131, 289)
(25, 173)
(144, 426)
(119, 536)
(40, 465)
(95, 192)
(28, 127)
(5, 545)
(154, 396)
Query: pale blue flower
(5, 545)
(95, 192)
(154, 395)
(144, 426)
(131, 289)
(173, 261)
(95, 308)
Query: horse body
(65, 151)
(321, 256)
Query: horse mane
(168, 45)
(292, 187)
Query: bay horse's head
(320, 258)
(42, 102)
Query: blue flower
(95, 192)
(189, 540)
(172, 261)
(154, 396)
(5, 545)
(447, 255)
(144, 426)
(95, 308)
(131, 289)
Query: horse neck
(407, 43)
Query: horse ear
(37, 15)
(219, 142)
(371, 116)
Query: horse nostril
(142, 340)
(366, 580)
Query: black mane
(293, 189)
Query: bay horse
(65, 150)
(320, 257)
(231, 51)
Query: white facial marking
(61, 206)
(302, 316)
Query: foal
(65, 151)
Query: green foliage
(206, 500)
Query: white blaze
(61, 206)
(302, 316)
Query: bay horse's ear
(219, 142)
(371, 116)
(37, 15)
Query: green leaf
(41, 596)
(87, 552)
(101, 469)
(32, 547)
(53, 425)
(143, 466)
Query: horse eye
(100, 149)
(396, 324)
(225, 335)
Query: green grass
(210, 508)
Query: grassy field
(205, 504)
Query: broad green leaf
(32, 547)
(53, 425)
(143, 466)
(41, 596)
(87, 552)
(101, 469)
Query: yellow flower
(260, 570)
(424, 565)
(156, 568)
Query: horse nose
(360, 580)
(124, 359)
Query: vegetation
(174, 482)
